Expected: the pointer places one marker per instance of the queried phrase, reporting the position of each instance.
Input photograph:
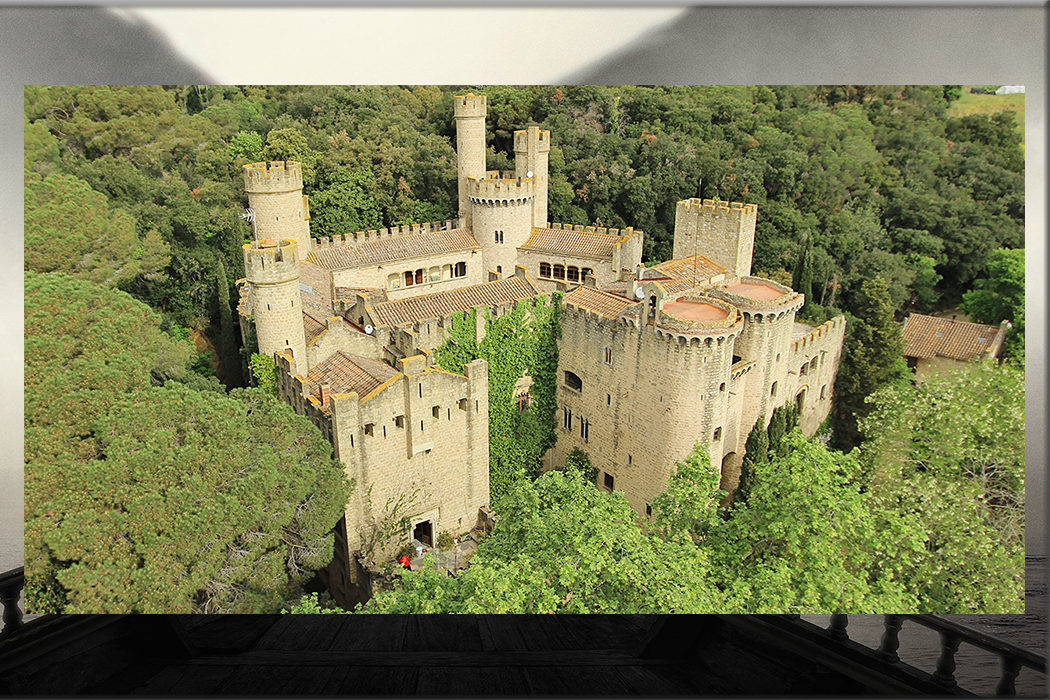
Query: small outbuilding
(933, 344)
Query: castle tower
(275, 193)
(470, 111)
(721, 231)
(502, 211)
(531, 150)
(272, 270)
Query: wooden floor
(429, 655)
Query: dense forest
(873, 201)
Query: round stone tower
(502, 219)
(272, 270)
(275, 194)
(470, 111)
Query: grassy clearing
(971, 103)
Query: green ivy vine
(523, 341)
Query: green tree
(264, 372)
(345, 205)
(756, 451)
(871, 358)
(689, 504)
(196, 502)
(949, 452)
(563, 545)
(579, 461)
(1000, 296)
(246, 146)
(807, 539)
(290, 144)
(69, 227)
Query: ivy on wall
(519, 343)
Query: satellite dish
(368, 328)
(639, 293)
(528, 174)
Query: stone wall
(379, 276)
(657, 396)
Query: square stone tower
(719, 230)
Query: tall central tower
(470, 111)
(532, 147)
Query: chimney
(324, 391)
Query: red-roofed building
(933, 344)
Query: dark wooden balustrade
(952, 635)
(11, 585)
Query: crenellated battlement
(271, 262)
(629, 231)
(359, 237)
(828, 331)
(501, 190)
(532, 139)
(750, 295)
(273, 176)
(470, 105)
(717, 208)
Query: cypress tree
(756, 451)
(872, 358)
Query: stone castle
(652, 360)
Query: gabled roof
(696, 269)
(601, 303)
(392, 249)
(575, 244)
(344, 373)
(928, 336)
(439, 304)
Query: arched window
(435, 274)
(572, 273)
(499, 236)
(573, 381)
(461, 270)
(393, 281)
(545, 269)
(559, 272)
(446, 272)
(419, 276)
(410, 279)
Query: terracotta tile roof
(577, 244)
(928, 336)
(392, 249)
(601, 303)
(695, 268)
(313, 327)
(438, 304)
(345, 373)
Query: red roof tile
(601, 303)
(928, 336)
(439, 304)
(345, 373)
(393, 248)
(578, 244)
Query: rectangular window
(369, 428)
(437, 412)
(823, 391)
(585, 429)
(566, 418)
(630, 460)
(572, 273)
(773, 389)
(718, 433)
(462, 404)
(648, 510)
(608, 399)
(399, 421)
(609, 481)
(545, 269)
(608, 356)
(559, 272)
